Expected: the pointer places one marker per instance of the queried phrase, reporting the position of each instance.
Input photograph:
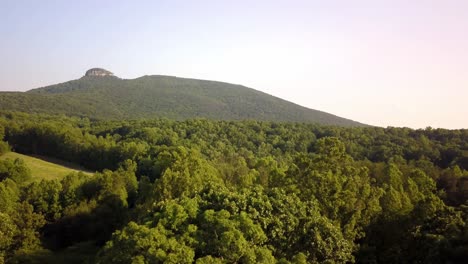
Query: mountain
(101, 95)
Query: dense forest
(204, 191)
(176, 98)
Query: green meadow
(45, 168)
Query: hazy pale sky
(380, 62)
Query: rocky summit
(98, 72)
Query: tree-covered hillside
(109, 97)
(201, 191)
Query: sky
(380, 62)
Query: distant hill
(101, 95)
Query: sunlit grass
(42, 169)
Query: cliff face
(98, 72)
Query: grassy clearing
(45, 168)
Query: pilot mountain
(101, 95)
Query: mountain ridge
(150, 96)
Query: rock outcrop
(98, 72)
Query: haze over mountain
(99, 94)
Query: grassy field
(45, 168)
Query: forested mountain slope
(109, 97)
